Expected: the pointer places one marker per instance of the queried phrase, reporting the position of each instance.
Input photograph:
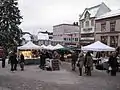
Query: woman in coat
(80, 63)
(88, 63)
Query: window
(92, 22)
(104, 39)
(114, 41)
(76, 39)
(87, 15)
(87, 23)
(69, 39)
(65, 39)
(103, 27)
(82, 24)
(112, 26)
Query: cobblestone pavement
(35, 79)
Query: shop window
(104, 39)
(114, 41)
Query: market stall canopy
(58, 46)
(49, 47)
(43, 46)
(97, 46)
(29, 45)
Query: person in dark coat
(13, 61)
(88, 63)
(22, 61)
(73, 61)
(3, 61)
(42, 60)
(113, 64)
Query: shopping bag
(110, 68)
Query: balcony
(88, 38)
(87, 29)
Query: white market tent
(58, 46)
(29, 45)
(43, 46)
(97, 46)
(49, 47)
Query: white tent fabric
(29, 45)
(97, 46)
(58, 46)
(50, 47)
(43, 46)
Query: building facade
(87, 22)
(108, 28)
(45, 38)
(67, 34)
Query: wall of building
(66, 33)
(107, 32)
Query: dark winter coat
(22, 58)
(113, 62)
(74, 58)
(13, 59)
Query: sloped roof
(29, 45)
(26, 37)
(58, 46)
(97, 46)
(43, 46)
(92, 10)
(109, 14)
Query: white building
(87, 22)
(43, 38)
(66, 34)
(25, 38)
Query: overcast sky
(44, 14)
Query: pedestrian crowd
(80, 60)
(86, 61)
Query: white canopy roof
(58, 46)
(29, 45)
(43, 46)
(50, 47)
(97, 46)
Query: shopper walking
(13, 61)
(88, 63)
(80, 62)
(73, 61)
